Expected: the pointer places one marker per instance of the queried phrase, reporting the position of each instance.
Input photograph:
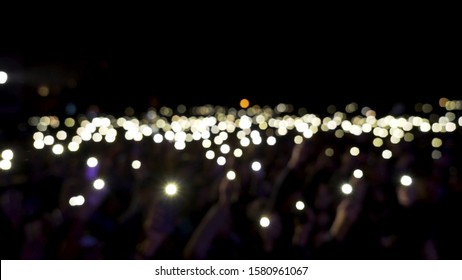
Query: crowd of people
(293, 207)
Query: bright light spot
(136, 164)
(256, 166)
(244, 103)
(210, 154)
(73, 146)
(58, 149)
(206, 143)
(92, 162)
(264, 222)
(77, 200)
(158, 138)
(358, 173)
(231, 175)
(3, 77)
(354, 151)
(225, 148)
(98, 184)
(347, 189)
(237, 153)
(436, 142)
(300, 205)
(436, 154)
(425, 127)
(171, 189)
(406, 180)
(5, 164)
(245, 142)
(7, 154)
(329, 152)
(271, 141)
(378, 142)
(450, 127)
(221, 160)
(298, 139)
(97, 137)
(387, 154)
(48, 140)
(38, 144)
(61, 135)
(245, 122)
(180, 145)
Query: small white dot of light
(76, 200)
(237, 153)
(223, 135)
(260, 119)
(214, 129)
(387, 154)
(254, 134)
(86, 136)
(356, 130)
(396, 132)
(73, 146)
(45, 120)
(222, 125)
(196, 135)
(393, 123)
(38, 136)
(460, 121)
(347, 189)
(5, 164)
(298, 139)
(158, 138)
(230, 127)
(169, 135)
(110, 138)
(136, 164)
(436, 127)
(377, 131)
(245, 142)
(383, 133)
(97, 122)
(221, 160)
(180, 136)
(98, 184)
(105, 122)
(324, 127)
(301, 127)
(407, 126)
(240, 134)
(176, 126)
(247, 131)
(416, 121)
(406, 180)
(90, 128)
(69, 122)
(97, 137)
(450, 127)
(180, 145)
(263, 125)
(256, 166)
(210, 154)
(205, 134)
(443, 120)
(129, 135)
(189, 138)
(436, 142)
(346, 125)
(92, 162)
(354, 151)
(217, 140)
(7, 154)
(3, 77)
(282, 131)
(377, 142)
(331, 125)
(146, 130)
(61, 135)
(57, 149)
(300, 205)
(38, 144)
(313, 129)
(358, 173)
(425, 127)
(231, 175)
(225, 148)
(77, 139)
(395, 140)
(264, 222)
(436, 154)
(271, 141)
(121, 121)
(366, 128)
(206, 143)
(245, 122)
(48, 140)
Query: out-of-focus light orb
(210, 154)
(98, 184)
(358, 173)
(406, 180)
(221, 160)
(256, 166)
(92, 162)
(180, 145)
(57, 149)
(3, 77)
(245, 142)
(231, 175)
(136, 164)
(225, 148)
(377, 142)
(5, 164)
(300, 205)
(171, 189)
(354, 151)
(7, 154)
(38, 144)
(329, 152)
(436, 142)
(347, 189)
(73, 146)
(206, 143)
(436, 154)
(244, 103)
(61, 135)
(77, 200)
(238, 153)
(158, 138)
(298, 139)
(271, 141)
(43, 90)
(264, 221)
(48, 140)
(387, 154)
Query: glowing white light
(358, 173)
(97, 137)
(264, 222)
(271, 141)
(171, 189)
(225, 148)
(245, 142)
(180, 145)
(237, 153)
(221, 160)
(38, 144)
(354, 151)
(231, 175)
(210, 154)
(347, 189)
(298, 139)
(136, 164)
(61, 135)
(73, 146)
(48, 140)
(77, 200)
(206, 143)
(387, 154)
(58, 149)
(256, 166)
(3, 77)
(5, 164)
(158, 138)
(406, 180)
(300, 205)
(98, 184)
(7, 154)
(92, 162)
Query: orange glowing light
(244, 103)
